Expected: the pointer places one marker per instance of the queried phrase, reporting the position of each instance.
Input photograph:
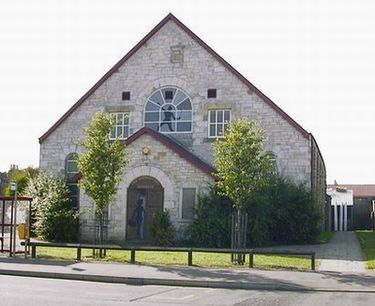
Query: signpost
(13, 187)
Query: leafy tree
(242, 166)
(52, 216)
(101, 165)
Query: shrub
(282, 212)
(52, 214)
(211, 226)
(295, 216)
(260, 216)
(162, 229)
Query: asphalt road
(36, 291)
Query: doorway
(145, 197)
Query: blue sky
(315, 59)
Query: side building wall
(319, 184)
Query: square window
(125, 95)
(121, 127)
(218, 121)
(211, 93)
(168, 95)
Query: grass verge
(367, 241)
(207, 260)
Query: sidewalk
(342, 253)
(243, 278)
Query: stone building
(173, 96)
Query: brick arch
(155, 173)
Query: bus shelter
(14, 223)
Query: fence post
(251, 260)
(190, 257)
(33, 251)
(132, 255)
(313, 261)
(79, 252)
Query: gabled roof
(359, 190)
(175, 147)
(172, 145)
(171, 17)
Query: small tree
(241, 169)
(101, 165)
(52, 216)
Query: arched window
(71, 171)
(169, 110)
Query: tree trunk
(239, 230)
(99, 235)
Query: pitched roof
(359, 190)
(172, 145)
(175, 147)
(171, 17)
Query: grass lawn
(367, 240)
(208, 260)
(324, 237)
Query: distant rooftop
(359, 190)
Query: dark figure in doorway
(168, 117)
(139, 218)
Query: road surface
(36, 291)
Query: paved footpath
(341, 254)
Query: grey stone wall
(193, 70)
(150, 69)
(319, 184)
(172, 171)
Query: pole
(13, 187)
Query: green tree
(101, 165)
(52, 216)
(242, 167)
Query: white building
(342, 206)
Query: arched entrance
(145, 197)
